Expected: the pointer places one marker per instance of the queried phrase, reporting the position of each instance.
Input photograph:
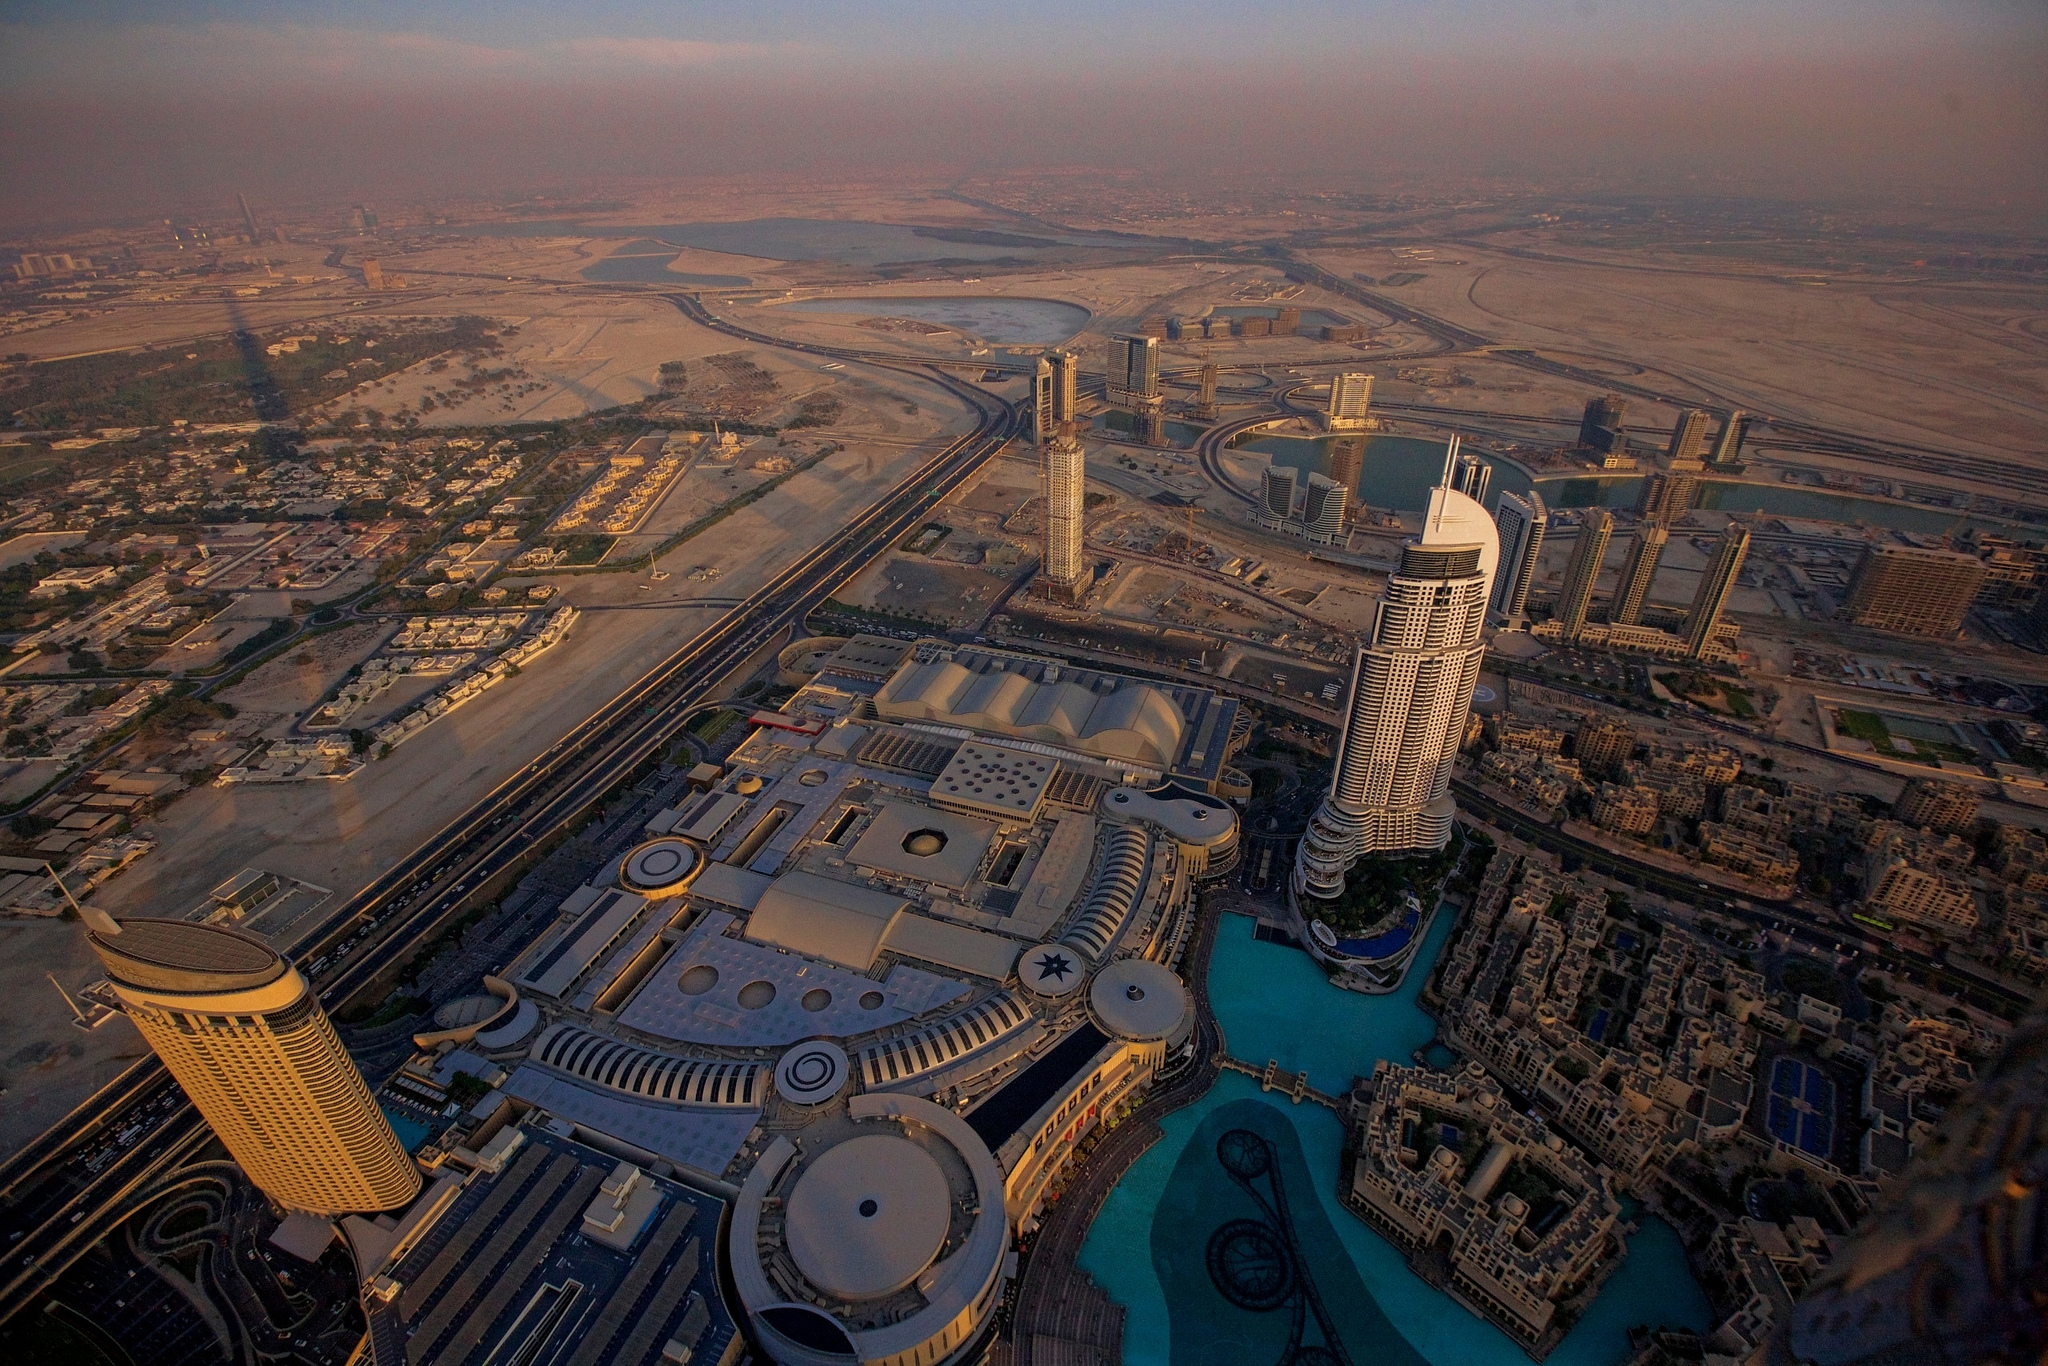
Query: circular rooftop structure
(1051, 968)
(883, 1221)
(464, 1011)
(812, 1072)
(1141, 1001)
(660, 867)
(187, 958)
(868, 1216)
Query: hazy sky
(134, 108)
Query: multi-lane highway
(78, 1182)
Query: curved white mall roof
(1136, 722)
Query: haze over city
(117, 107)
(1059, 685)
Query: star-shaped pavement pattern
(1055, 966)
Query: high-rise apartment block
(1205, 393)
(1625, 809)
(1133, 371)
(373, 273)
(1276, 494)
(1322, 510)
(1600, 426)
(1689, 435)
(1044, 407)
(244, 1036)
(1929, 804)
(1063, 474)
(1350, 403)
(1582, 570)
(1728, 442)
(1633, 592)
(1066, 386)
(1602, 746)
(1347, 465)
(1913, 591)
(1667, 495)
(1411, 692)
(1897, 888)
(1520, 522)
(1716, 584)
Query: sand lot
(1960, 366)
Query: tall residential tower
(1205, 393)
(1638, 574)
(1133, 371)
(244, 1035)
(1350, 403)
(1689, 435)
(1277, 484)
(1066, 384)
(1411, 690)
(1728, 443)
(1063, 474)
(1582, 571)
(1044, 404)
(1519, 524)
(1716, 583)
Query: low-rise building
(1445, 1163)
(1896, 888)
(1930, 804)
(1630, 810)
(1752, 856)
(1602, 746)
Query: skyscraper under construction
(244, 1035)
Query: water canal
(993, 318)
(848, 242)
(1147, 1248)
(1400, 470)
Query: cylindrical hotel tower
(1411, 690)
(245, 1037)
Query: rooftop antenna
(1450, 460)
(66, 995)
(80, 910)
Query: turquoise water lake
(993, 318)
(1400, 471)
(1147, 1247)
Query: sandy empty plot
(1958, 366)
